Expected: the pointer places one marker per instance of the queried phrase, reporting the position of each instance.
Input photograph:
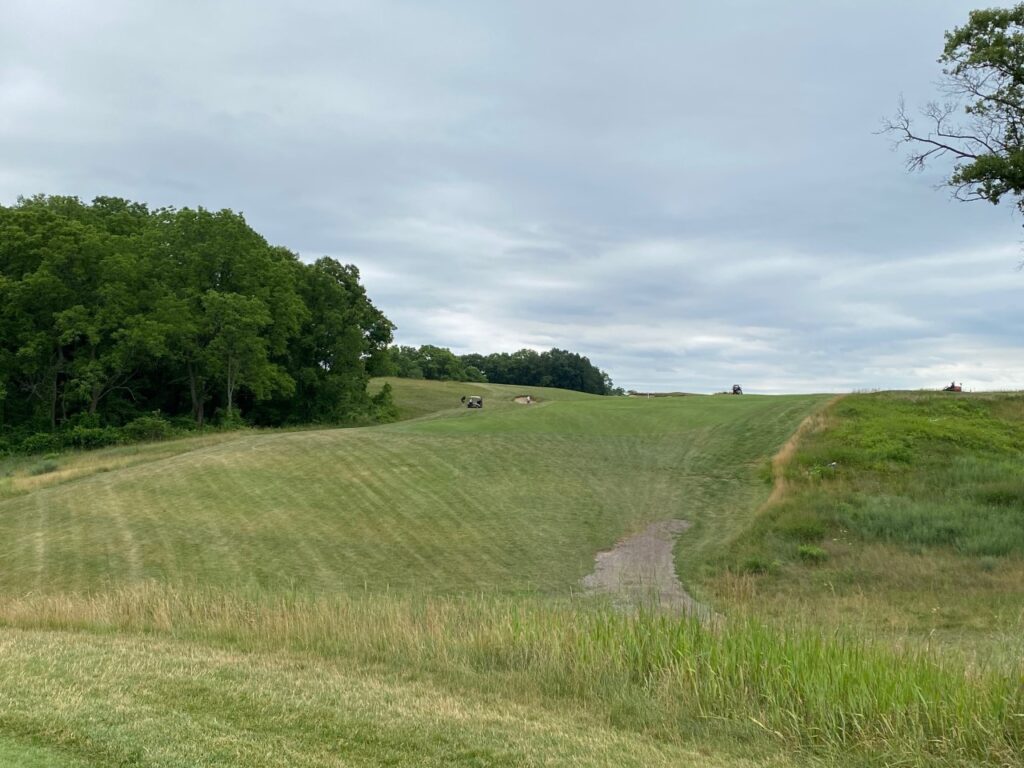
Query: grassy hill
(409, 594)
(510, 498)
(900, 512)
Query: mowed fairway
(510, 498)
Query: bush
(226, 419)
(152, 427)
(383, 404)
(41, 442)
(95, 437)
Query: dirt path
(640, 571)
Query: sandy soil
(640, 571)
(524, 400)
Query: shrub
(229, 419)
(41, 442)
(152, 427)
(95, 437)
(383, 404)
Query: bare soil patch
(639, 571)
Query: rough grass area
(23, 474)
(481, 681)
(912, 507)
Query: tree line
(110, 311)
(554, 368)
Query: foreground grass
(479, 681)
(152, 702)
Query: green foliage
(41, 442)
(151, 427)
(110, 310)
(554, 368)
(94, 437)
(983, 64)
(384, 407)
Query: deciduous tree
(979, 126)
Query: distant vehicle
(475, 402)
(737, 389)
(953, 387)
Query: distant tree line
(554, 368)
(111, 311)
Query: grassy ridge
(903, 512)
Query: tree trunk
(53, 401)
(55, 393)
(230, 387)
(96, 391)
(197, 394)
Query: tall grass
(917, 470)
(654, 672)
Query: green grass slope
(512, 497)
(404, 594)
(903, 511)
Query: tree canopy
(110, 310)
(554, 368)
(980, 125)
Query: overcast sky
(691, 194)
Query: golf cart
(475, 402)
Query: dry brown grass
(816, 422)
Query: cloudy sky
(692, 194)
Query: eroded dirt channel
(639, 571)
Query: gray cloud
(691, 194)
